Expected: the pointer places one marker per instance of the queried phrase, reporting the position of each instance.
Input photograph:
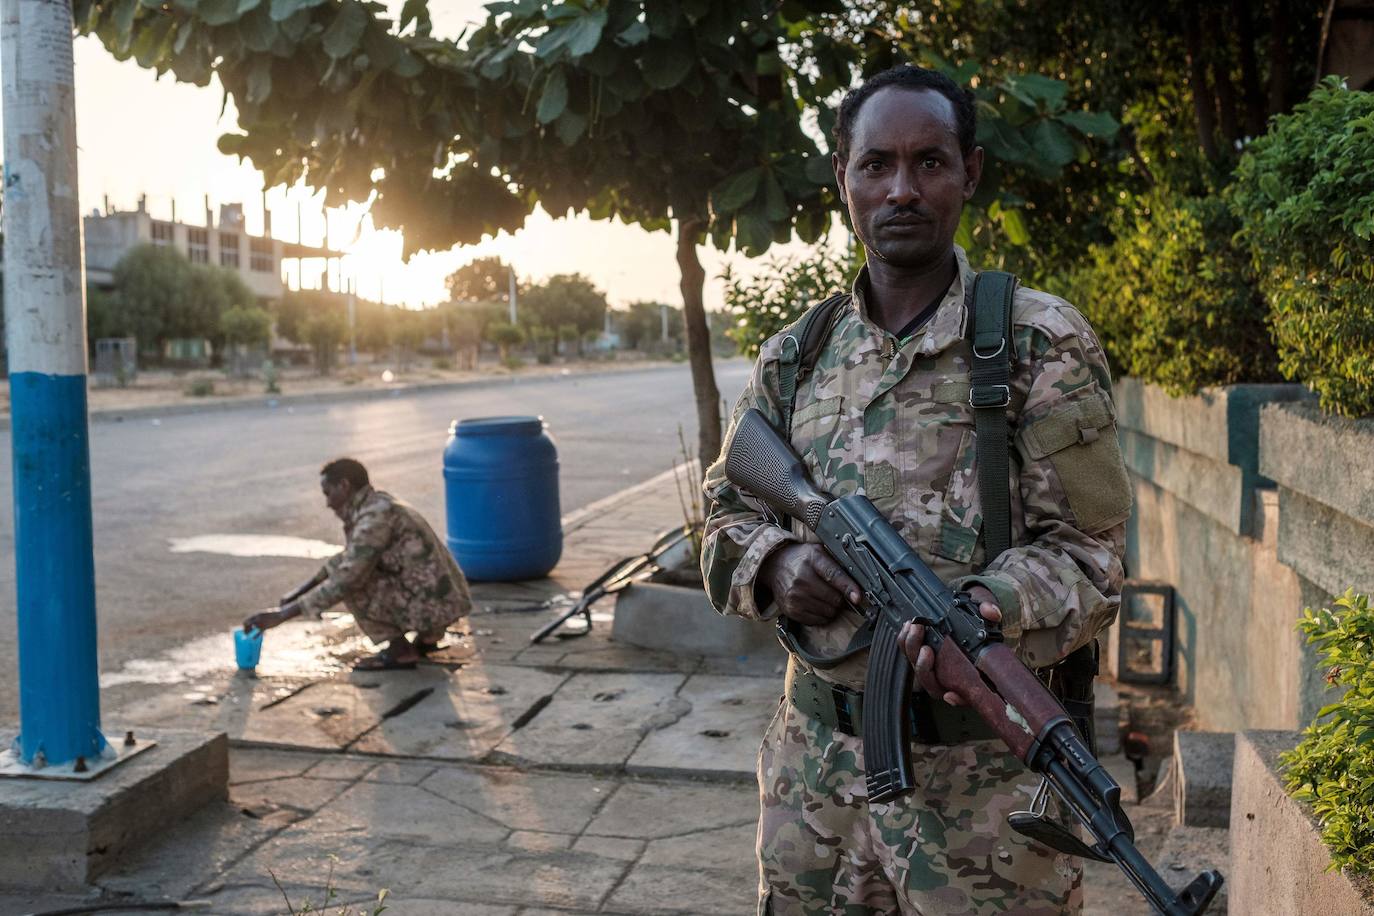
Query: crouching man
(394, 574)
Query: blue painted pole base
(59, 690)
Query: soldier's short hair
(907, 76)
(345, 469)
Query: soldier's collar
(946, 327)
(358, 499)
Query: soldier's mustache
(907, 215)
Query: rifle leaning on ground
(970, 660)
(613, 580)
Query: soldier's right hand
(807, 584)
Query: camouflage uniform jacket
(392, 564)
(891, 419)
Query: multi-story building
(257, 258)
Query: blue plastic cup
(247, 648)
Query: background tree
(563, 299)
(641, 326)
(151, 287)
(242, 327)
(325, 330)
(482, 280)
(505, 336)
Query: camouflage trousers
(943, 850)
(382, 622)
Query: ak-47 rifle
(970, 659)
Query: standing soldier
(394, 573)
(896, 402)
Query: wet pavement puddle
(254, 545)
(317, 649)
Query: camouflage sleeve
(346, 570)
(1063, 585)
(738, 536)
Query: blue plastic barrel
(501, 487)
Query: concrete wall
(1278, 861)
(1208, 522)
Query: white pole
(45, 324)
(512, 295)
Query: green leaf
(586, 33)
(570, 127)
(408, 65)
(217, 12)
(818, 169)
(666, 66)
(1015, 226)
(1053, 144)
(736, 191)
(554, 98)
(346, 31)
(1091, 123)
(416, 11)
(636, 34)
(963, 236)
(258, 31)
(1041, 92)
(260, 80)
(753, 233)
(285, 9)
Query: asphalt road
(255, 471)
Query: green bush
(201, 388)
(764, 304)
(1305, 194)
(1173, 299)
(1332, 769)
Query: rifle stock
(970, 660)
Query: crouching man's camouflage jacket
(891, 419)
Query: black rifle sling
(801, 347)
(989, 394)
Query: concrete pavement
(577, 776)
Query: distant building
(257, 259)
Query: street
(253, 471)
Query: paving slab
(381, 810)
(653, 810)
(331, 715)
(259, 764)
(467, 716)
(725, 849)
(659, 889)
(347, 769)
(401, 774)
(719, 736)
(181, 859)
(545, 802)
(596, 721)
(301, 859)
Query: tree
(563, 299)
(324, 331)
(246, 326)
(212, 291)
(681, 115)
(482, 280)
(641, 325)
(505, 336)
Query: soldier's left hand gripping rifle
(970, 659)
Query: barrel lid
(498, 426)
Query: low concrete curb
(1278, 861)
(59, 835)
(1202, 793)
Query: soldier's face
(336, 495)
(905, 180)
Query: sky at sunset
(141, 135)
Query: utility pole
(663, 322)
(45, 321)
(512, 295)
(352, 325)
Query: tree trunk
(1222, 85)
(1280, 67)
(693, 280)
(1249, 69)
(1203, 105)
